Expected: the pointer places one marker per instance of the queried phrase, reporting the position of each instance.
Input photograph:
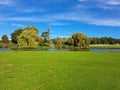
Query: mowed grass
(34, 70)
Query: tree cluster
(76, 40)
(28, 38)
(104, 40)
(6, 43)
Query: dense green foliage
(28, 38)
(15, 34)
(105, 40)
(80, 40)
(58, 43)
(29, 28)
(24, 70)
(5, 39)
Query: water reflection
(71, 49)
(54, 49)
(104, 50)
(4, 49)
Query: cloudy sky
(95, 18)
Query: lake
(81, 50)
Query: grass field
(34, 70)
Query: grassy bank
(32, 70)
(105, 46)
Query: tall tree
(46, 35)
(58, 43)
(28, 38)
(5, 39)
(80, 40)
(15, 34)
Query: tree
(104, 40)
(93, 41)
(5, 39)
(70, 41)
(118, 41)
(58, 43)
(39, 39)
(28, 38)
(0, 41)
(80, 40)
(29, 28)
(46, 35)
(15, 34)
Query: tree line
(28, 38)
(105, 40)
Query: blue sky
(95, 18)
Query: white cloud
(18, 25)
(107, 22)
(57, 0)
(17, 19)
(103, 4)
(2, 23)
(27, 19)
(82, 0)
(113, 2)
(58, 35)
(58, 24)
(26, 10)
(13, 24)
(29, 10)
(86, 18)
(5, 2)
(77, 17)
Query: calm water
(4, 49)
(81, 50)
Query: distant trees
(104, 40)
(4, 42)
(5, 39)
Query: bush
(2, 45)
(12, 45)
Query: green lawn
(34, 70)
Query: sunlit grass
(105, 46)
(34, 70)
